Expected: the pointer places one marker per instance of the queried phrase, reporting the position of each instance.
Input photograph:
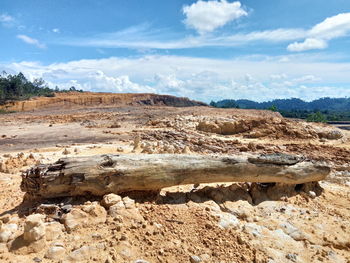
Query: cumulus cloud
(31, 41)
(208, 16)
(169, 84)
(307, 44)
(319, 35)
(332, 27)
(198, 78)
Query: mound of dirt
(84, 99)
(269, 127)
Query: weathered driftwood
(102, 174)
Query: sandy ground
(209, 223)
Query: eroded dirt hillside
(90, 99)
(239, 222)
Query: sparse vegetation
(316, 117)
(272, 108)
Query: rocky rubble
(273, 127)
(193, 223)
(241, 222)
(12, 164)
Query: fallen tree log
(103, 174)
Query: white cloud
(248, 77)
(307, 79)
(141, 39)
(4, 18)
(278, 76)
(319, 35)
(31, 41)
(56, 30)
(308, 44)
(198, 78)
(169, 84)
(208, 16)
(332, 27)
(7, 20)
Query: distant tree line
(320, 110)
(18, 87)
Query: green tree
(18, 87)
(272, 108)
(316, 117)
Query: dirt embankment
(84, 99)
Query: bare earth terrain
(239, 222)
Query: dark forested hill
(322, 104)
(332, 108)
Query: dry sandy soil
(207, 223)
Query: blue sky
(206, 50)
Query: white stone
(80, 254)
(7, 232)
(55, 252)
(312, 194)
(227, 220)
(54, 231)
(74, 218)
(195, 259)
(128, 202)
(292, 231)
(111, 199)
(34, 228)
(114, 209)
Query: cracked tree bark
(103, 174)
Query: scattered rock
(66, 152)
(128, 202)
(186, 150)
(330, 134)
(34, 228)
(91, 213)
(110, 199)
(292, 257)
(83, 253)
(312, 194)
(66, 208)
(55, 252)
(54, 231)
(74, 219)
(7, 232)
(195, 259)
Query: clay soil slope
(90, 99)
